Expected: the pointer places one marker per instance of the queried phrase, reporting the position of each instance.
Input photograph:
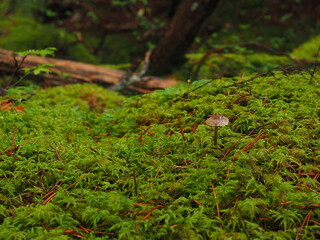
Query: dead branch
(66, 72)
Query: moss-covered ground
(81, 162)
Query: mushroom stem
(216, 121)
(215, 135)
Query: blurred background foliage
(116, 33)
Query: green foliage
(82, 160)
(243, 61)
(126, 2)
(236, 63)
(42, 52)
(41, 68)
(281, 27)
(4, 5)
(19, 33)
(24, 7)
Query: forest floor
(79, 161)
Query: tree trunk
(64, 72)
(180, 34)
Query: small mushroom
(217, 121)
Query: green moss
(81, 157)
(308, 50)
(235, 64)
(20, 33)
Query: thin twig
(14, 148)
(18, 67)
(181, 129)
(202, 61)
(73, 184)
(244, 229)
(253, 130)
(215, 197)
(135, 183)
(56, 152)
(13, 135)
(143, 133)
(315, 66)
(282, 67)
(49, 199)
(185, 95)
(256, 139)
(230, 149)
(271, 50)
(305, 222)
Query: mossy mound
(308, 50)
(80, 161)
(20, 33)
(235, 60)
(235, 64)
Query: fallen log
(66, 72)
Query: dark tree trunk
(180, 34)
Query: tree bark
(65, 71)
(181, 32)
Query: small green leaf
(42, 52)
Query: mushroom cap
(217, 120)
